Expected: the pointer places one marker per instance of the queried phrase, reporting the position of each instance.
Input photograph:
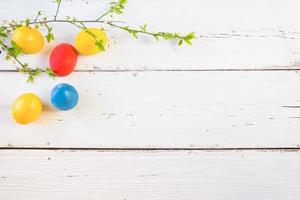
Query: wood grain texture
(160, 109)
(63, 175)
(225, 91)
(232, 34)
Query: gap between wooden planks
(262, 149)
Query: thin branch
(37, 16)
(116, 7)
(14, 57)
(20, 63)
(165, 35)
(74, 23)
(67, 21)
(57, 8)
(106, 13)
(110, 23)
(125, 28)
(32, 72)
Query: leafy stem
(164, 35)
(116, 7)
(13, 52)
(37, 16)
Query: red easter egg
(63, 59)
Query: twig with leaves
(12, 51)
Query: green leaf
(49, 37)
(122, 2)
(187, 38)
(180, 42)
(167, 36)
(99, 44)
(90, 33)
(3, 34)
(187, 41)
(50, 73)
(117, 7)
(14, 50)
(25, 65)
(190, 36)
(27, 21)
(156, 37)
(134, 34)
(30, 79)
(32, 73)
(144, 28)
(7, 57)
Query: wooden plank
(160, 110)
(64, 175)
(232, 34)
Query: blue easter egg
(64, 96)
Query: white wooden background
(216, 120)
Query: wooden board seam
(177, 70)
(285, 149)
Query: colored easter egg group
(62, 60)
(28, 107)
